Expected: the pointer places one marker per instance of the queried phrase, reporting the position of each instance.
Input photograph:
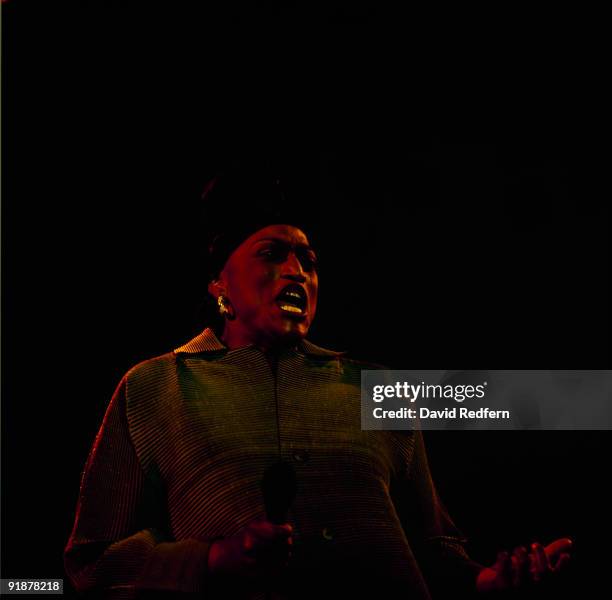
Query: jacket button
(327, 534)
(300, 455)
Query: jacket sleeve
(120, 545)
(438, 543)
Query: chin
(291, 331)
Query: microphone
(279, 486)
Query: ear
(216, 288)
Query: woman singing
(235, 466)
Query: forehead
(283, 233)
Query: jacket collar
(207, 341)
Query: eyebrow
(285, 242)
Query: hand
(525, 568)
(260, 550)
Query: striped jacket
(178, 462)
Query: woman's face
(271, 283)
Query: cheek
(249, 299)
(314, 294)
(313, 308)
(253, 294)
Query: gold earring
(224, 310)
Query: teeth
(290, 308)
(294, 294)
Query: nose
(292, 269)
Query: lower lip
(299, 316)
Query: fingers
(261, 534)
(503, 566)
(562, 563)
(268, 544)
(270, 531)
(540, 566)
(520, 566)
(260, 549)
(557, 548)
(523, 568)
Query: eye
(272, 253)
(308, 260)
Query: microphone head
(279, 486)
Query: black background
(458, 229)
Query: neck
(238, 339)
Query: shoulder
(151, 378)
(325, 354)
(152, 367)
(342, 361)
(362, 364)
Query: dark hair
(237, 203)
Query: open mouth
(292, 300)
